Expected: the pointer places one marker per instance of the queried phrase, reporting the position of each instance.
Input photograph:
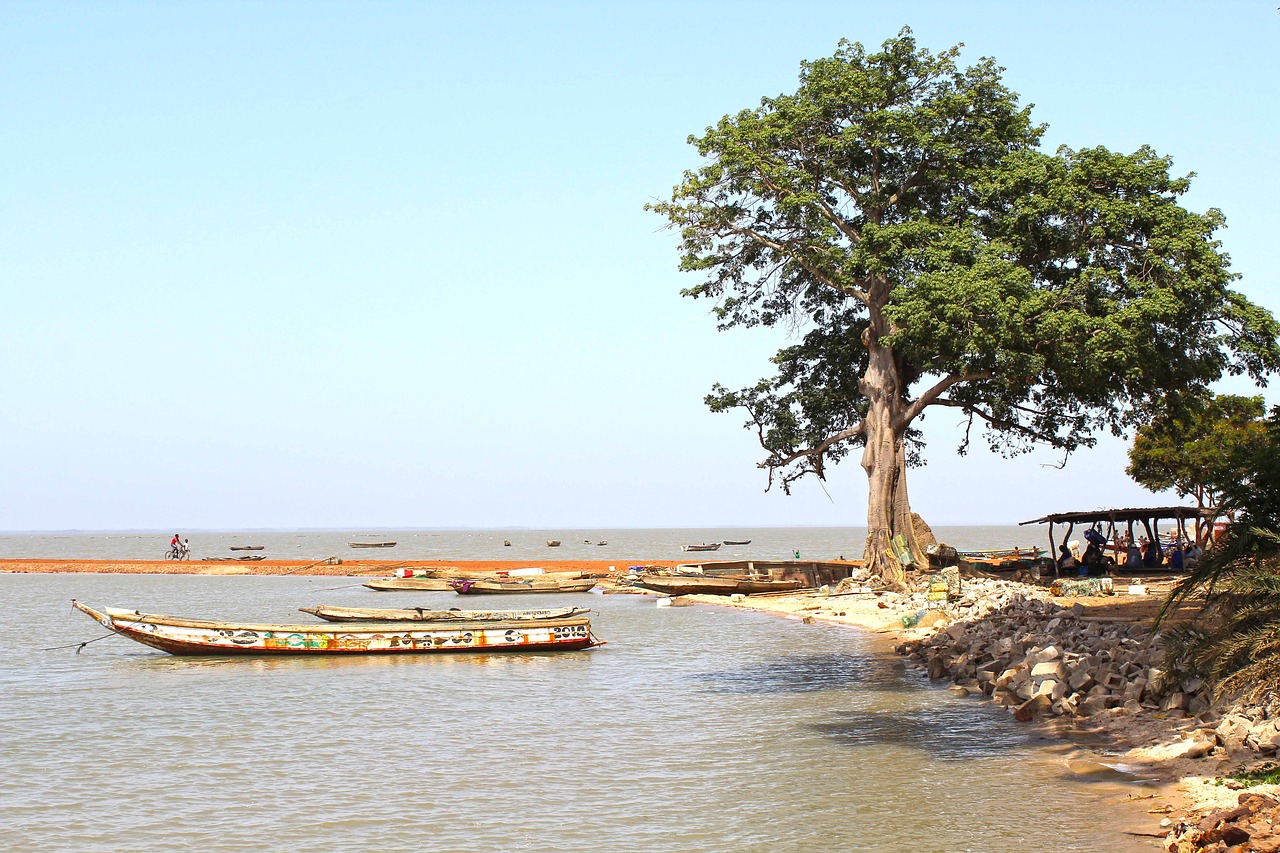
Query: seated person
(1066, 560)
(1151, 556)
(1176, 557)
(1093, 563)
(1193, 555)
(1133, 556)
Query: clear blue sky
(358, 264)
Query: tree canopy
(1235, 640)
(897, 213)
(1198, 445)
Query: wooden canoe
(372, 544)
(737, 541)
(467, 586)
(415, 583)
(419, 614)
(199, 637)
(704, 585)
(715, 546)
(247, 547)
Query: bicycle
(177, 554)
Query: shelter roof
(1127, 514)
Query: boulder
(1028, 709)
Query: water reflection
(946, 730)
(811, 673)
(462, 661)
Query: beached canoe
(371, 544)
(419, 614)
(714, 546)
(705, 585)
(199, 637)
(414, 583)
(467, 586)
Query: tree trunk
(884, 460)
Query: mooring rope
(78, 646)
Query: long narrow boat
(402, 584)
(247, 547)
(737, 541)
(199, 637)
(419, 614)
(704, 585)
(371, 544)
(714, 546)
(467, 586)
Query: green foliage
(1194, 445)
(1236, 642)
(898, 200)
(1267, 773)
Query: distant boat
(506, 543)
(603, 542)
(247, 547)
(737, 541)
(419, 614)
(200, 637)
(465, 586)
(714, 546)
(372, 544)
(553, 543)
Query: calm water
(694, 729)
(767, 543)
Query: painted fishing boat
(737, 541)
(714, 546)
(200, 637)
(468, 586)
(420, 614)
(704, 585)
(371, 544)
(247, 547)
(419, 584)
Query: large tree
(1196, 447)
(897, 210)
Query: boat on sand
(468, 586)
(707, 585)
(201, 637)
(420, 614)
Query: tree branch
(1014, 426)
(816, 452)
(931, 395)
(848, 290)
